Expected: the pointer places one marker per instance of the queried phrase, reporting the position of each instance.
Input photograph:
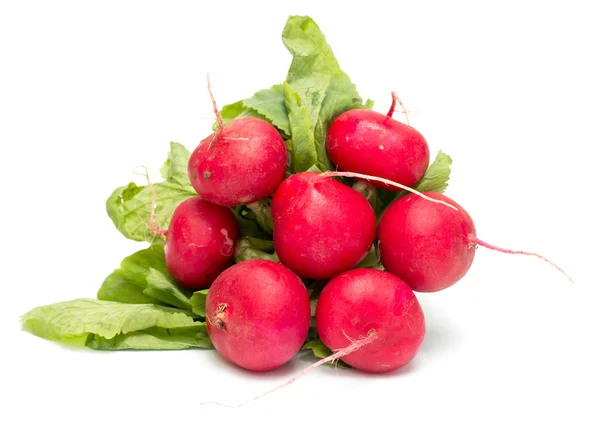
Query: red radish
(368, 303)
(429, 246)
(372, 143)
(200, 242)
(258, 314)
(240, 163)
(369, 318)
(321, 227)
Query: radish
(375, 144)
(368, 304)
(240, 163)
(429, 246)
(369, 318)
(200, 241)
(321, 227)
(258, 314)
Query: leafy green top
(437, 175)
(314, 93)
(75, 319)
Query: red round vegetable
(431, 246)
(426, 245)
(370, 304)
(239, 164)
(258, 314)
(200, 242)
(321, 227)
(368, 142)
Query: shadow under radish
(440, 335)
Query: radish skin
(375, 144)
(361, 301)
(200, 242)
(258, 314)
(240, 163)
(321, 227)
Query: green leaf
(304, 151)
(262, 214)
(247, 222)
(199, 302)
(437, 175)
(321, 351)
(164, 288)
(341, 97)
(248, 248)
(75, 320)
(372, 260)
(256, 243)
(323, 88)
(118, 288)
(175, 168)
(129, 206)
(266, 104)
(249, 254)
(154, 339)
(435, 179)
(143, 278)
(315, 169)
(318, 91)
(236, 110)
(270, 104)
(383, 200)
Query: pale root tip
(396, 99)
(482, 243)
(214, 104)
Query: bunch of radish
(258, 312)
(305, 220)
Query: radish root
(396, 99)
(477, 241)
(152, 224)
(386, 181)
(339, 353)
(214, 104)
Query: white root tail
(482, 243)
(152, 224)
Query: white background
(89, 90)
